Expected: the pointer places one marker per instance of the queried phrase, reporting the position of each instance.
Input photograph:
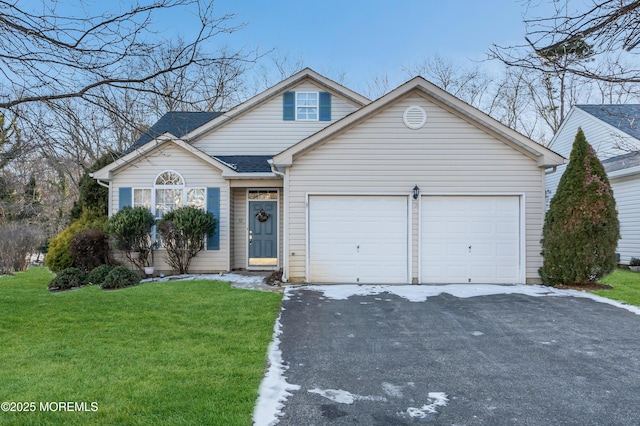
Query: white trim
(522, 273)
(246, 236)
(624, 172)
(408, 196)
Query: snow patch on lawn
(274, 389)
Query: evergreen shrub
(581, 228)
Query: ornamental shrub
(67, 279)
(89, 249)
(183, 233)
(581, 228)
(120, 277)
(58, 256)
(98, 274)
(130, 229)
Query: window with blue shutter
(124, 198)
(213, 206)
(325, 106)
(289, 106)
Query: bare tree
(466, 83)
(47, 56)
(605, 31)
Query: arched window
(169, 192)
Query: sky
(363, 39)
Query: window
(195, 197)
(306, 105)
(142, 197)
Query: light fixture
(416, 192)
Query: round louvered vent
(414, 117)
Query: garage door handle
(469, 249)
(358, 249)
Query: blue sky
(363, 39)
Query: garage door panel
(358, 239)
(481, 242)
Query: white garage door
(358, 239)
(473, 239)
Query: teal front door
(263, 233)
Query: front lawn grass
(178, 353)
(626, 287)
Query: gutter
(101, 183)
(285, 219)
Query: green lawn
(180, 353)
(626, 287)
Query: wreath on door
(262, 216)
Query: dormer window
(306, 106)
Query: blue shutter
(213, 206)
(124, 197)
(289, 106)
(325, 106)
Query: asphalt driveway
(458, 358)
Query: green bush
(120, 277)
(67, 279)
(58, 256)
(99, 273)
(581, 228)
(90, 249)
(183, 233)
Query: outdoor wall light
(416, 192)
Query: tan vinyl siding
(447, 156)
(239, 254)
(627, 193)
(263, 131)
(196, 173)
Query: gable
(169, 156)
(266, 130)
(383, 143)
(438, 100)
(607, 140)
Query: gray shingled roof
(178, 123)
(620, 162)
(246, 163)
(622, 117)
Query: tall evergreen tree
(581, 228)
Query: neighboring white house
(311, 177)
(614, 132)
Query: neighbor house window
(306, 105)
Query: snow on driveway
(274, 389)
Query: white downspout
(285, 220)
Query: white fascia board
(106, 172)
(624, 172)
(257, 175)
